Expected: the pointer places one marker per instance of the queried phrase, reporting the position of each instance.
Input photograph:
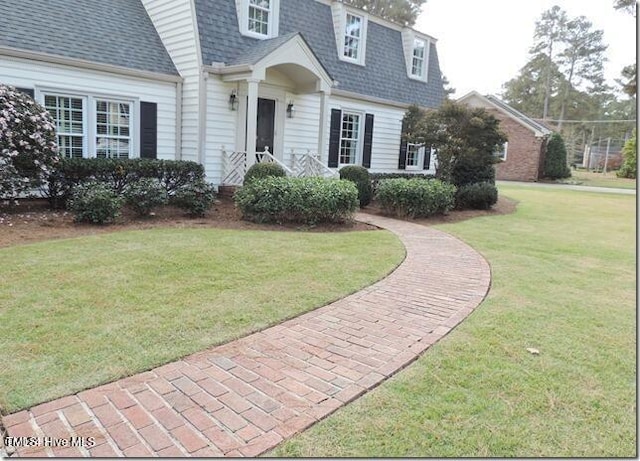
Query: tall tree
(403, 12)
(627, 5)
(548, 34)
(629, 84)
(448, 89)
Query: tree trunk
(565, 96)
(547, 87)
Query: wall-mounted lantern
(233, 100)
(290, 109)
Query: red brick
(90, 429)
(223, 362)
(171, 452)
(260, 419)
(92, 398)
(107, 415)
(137, 417)
(244, 374)
(212, 387)
(76, 415)
(21, 430)
(190, 440)
(267, 387)
(350, 393)
(53, 405)
(194, 374)
(169, 418)
(66, 452)
(204, 400)
(149, 400)
(187, 386)
(264, 402)
(161, 386)
(261, 444)
(198, 418)
(222, 439)
(123, 436)
(235, 402)
(156, 438)
(207, 452)
(47, 417)
(121, 399)
(137, 451)
(103, 451)
(178, 401)
(230, 419)
(249, 432)
(238, 386)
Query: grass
(80, 312)
(563, 282)
(593, 179)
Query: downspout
(202, 116)
(179, 121)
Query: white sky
(484, 43)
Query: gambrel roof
(113, 32)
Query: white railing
(306, 165)
(234, 165)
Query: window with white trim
(259, 15)
(69, 116)
(349, 138)
(113, 129)
(353, 37)
(501, 152)
(414, 156)
(418, 58)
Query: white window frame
(343, 36)
(96, 135)
(89, 136)
(425, 54)
(85, 121)
(359, 139)
(419, 156)
(243, 7)
(501, 154)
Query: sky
(483, 44)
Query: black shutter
(334, 137)
(28, 91)
(427, 157)
(402, 159)
(368, 139)
(148, 130)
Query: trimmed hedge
(415, 198)
(264, 170)
(360, 177)
(144, 195)
(300, 200)
(477, 196)
(377, 177)
(195, 198)
(95, 203)
(118, 174)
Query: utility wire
(583, 121)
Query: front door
(265, 124)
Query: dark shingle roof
(384, 75)
(116, 32)
(260, 50)
(519, 115)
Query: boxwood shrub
(360, 177)
(144, 195)
(415, 198)
(95, 203)
(377, 177)
(477, 196)
(263, 170)
(300, 200)
(195, 197)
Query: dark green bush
(555, 159)
(264, 170)
(195, 198)
(118, 174)
(94, 202)
(144, 195)
(301, 200)
(477, 196)
(471, 170)
(415, 198)
(377, 177)
(360, 176)
(629, 166)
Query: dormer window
(418, 61)
(353, 37)
(258, 18)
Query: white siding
(39, 75)
(175, 22)
(221, 126)
(301, 132)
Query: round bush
(264, 170)
(360, 176)
(478, 196)
(301, 200)
(195, 198)
(415, 198)
(95, 203)
(28, 149)
(144, 195)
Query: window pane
(113, 128)
(353, 29)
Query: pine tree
(404, 12)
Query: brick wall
(523, 151)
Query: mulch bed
(32, 221)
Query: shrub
(28, 149)
(144, 195)
(415, 198)
(377, 177)
(264, 170)
(119, 173)
(477, 196)
(555, 159)
(301, 200)
(630, 164)
(471, 170)
(195, 198)
(360, 176)
(95, 203)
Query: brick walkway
(245, 397)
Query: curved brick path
(245, 397)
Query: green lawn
(563, 282)
(76, 313)
(590, 178)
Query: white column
(252, 118)
(322, 135)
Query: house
(522, 156)
(316, 83)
